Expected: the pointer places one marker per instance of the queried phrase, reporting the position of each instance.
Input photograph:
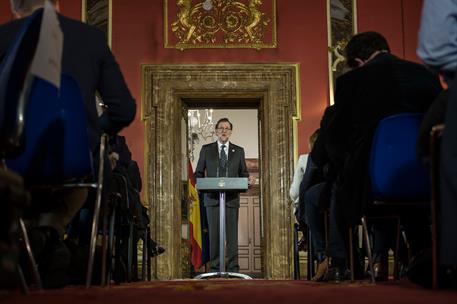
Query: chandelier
(200, 127)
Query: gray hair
(27, 6)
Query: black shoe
(337, 270)
(51, 255)
(155, 249)
(381, 271)
(8, 266)
(447, 278)
(54, 268)
(40, 238)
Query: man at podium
(222, 159)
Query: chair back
(396, 172)
(56, 139)
(13, 73)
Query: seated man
(379, 84)
(87, 58)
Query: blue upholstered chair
(56, 146)
(398, 179)
(395, 170)
(55, 149)
(14, 68)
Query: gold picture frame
(99, 14)
(341, 25)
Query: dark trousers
(336, 246)
(231, 231)
(417, 230)
(315, 219)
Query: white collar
(219, 144)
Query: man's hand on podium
(251, 181)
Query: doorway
(165, 90)
(200, 125)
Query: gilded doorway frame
(163, 88)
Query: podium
(222, 185)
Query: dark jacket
(384, 86)
(208, 166)
(87, 58)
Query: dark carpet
(238, 291)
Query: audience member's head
(22, 8)
(364, 46)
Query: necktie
(223, 157)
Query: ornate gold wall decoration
(99, 14)
(341, 25)
(220, 24)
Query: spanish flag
(194, 220)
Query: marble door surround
(164, 89)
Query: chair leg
(435, 256)
(130, 253)
(93, 238)
(104, 272)
(28, 248)
(145, 255)
(135, 255)
(117, 251)
(111, 245)
(149, 258)
(351, 255)
(23, 283)
(396, 253)
(326, 226)
(311, 270)
(368, 246)
(435, 163)
(296, 256)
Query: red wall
(397, 20)
(301, 34)
(71, 8)
(302, 38)
(5, 11)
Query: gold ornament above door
(220, 24)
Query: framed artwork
(341, 25)
(192, 24)
(99, 14)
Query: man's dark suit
(208, 166)
(383, 86)
(87, 58)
